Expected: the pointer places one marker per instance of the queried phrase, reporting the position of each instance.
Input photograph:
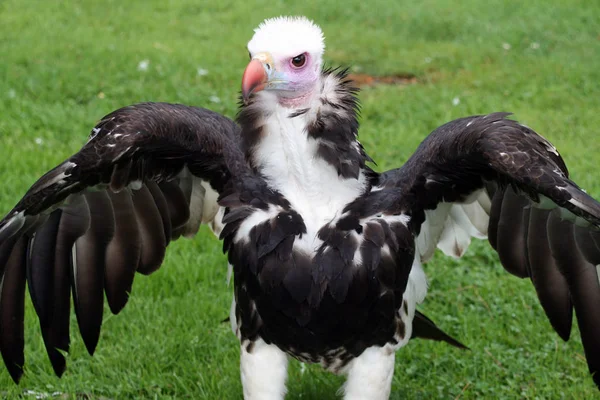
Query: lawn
(65, 64)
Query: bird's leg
(264, 371)
(370, 374)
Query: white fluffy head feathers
(287, 37)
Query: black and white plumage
(326, 253)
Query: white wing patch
(196, 208)
(211, 206)
(417, 284)
(431, 230)
(455, 238)
(451, 226)
(216, 225)
(203, 205)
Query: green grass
(63, 65)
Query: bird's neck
(309, 151)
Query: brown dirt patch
(372, 80)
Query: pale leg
(263, 371)
(370, 375)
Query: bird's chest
(314, 296)
(288, 158)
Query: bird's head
(285, 61)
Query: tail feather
(425, 328)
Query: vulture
(326, 254)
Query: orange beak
(254, 79)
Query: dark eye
(299, 60)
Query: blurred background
(65, 64)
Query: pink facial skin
(300, 81)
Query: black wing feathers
(12, 310)
(542, 225)
(74, 222)
(584, 286)
(152, 232)
(48, 275)
(549, 282)
(511, 232)
(106, 212)
(148, 141)
(40, 265)
(88, 267)
(123, 252)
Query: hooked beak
(260, 74)
(255, 78)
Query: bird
(326, 253)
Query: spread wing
(148, 174)
(487, 176)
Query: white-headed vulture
(326, 253)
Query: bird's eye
(299, 60)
